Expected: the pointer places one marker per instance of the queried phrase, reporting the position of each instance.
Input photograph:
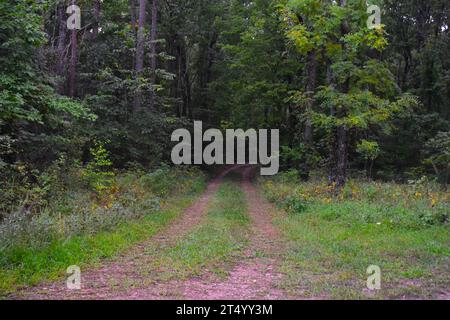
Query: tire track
(255, 277)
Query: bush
(77, 212)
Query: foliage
(370, 150)
(253, 78)
(97, 173)
(416, 206)
(438, 150)
(69, 221)
(76, 211)
(401, 228)
(28, 265)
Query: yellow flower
(433, 202)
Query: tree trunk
(62, 58)
(73, 61)
(153, 38)
(140, 54)
(310, 88)
(342, 156)
(133, 15)
(332, 162)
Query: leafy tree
(360, 94)
(256, 72)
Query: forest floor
(229, 244)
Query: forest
(91, 92)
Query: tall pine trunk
(96, 8)
(140, 54)
(73, 60)
(133, 27)
(153, 37)
(310, 88)
(133, 15)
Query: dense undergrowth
(333, 238)
(419, 204)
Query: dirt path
(255, 277)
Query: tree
(256, 72)
(369, 150)
(360, 92)
(61, 47)
(419, 42)
(35, 123)
(133, 14)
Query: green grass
(216, 241)
(331, 245)
(28, 265)
(328, 258)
